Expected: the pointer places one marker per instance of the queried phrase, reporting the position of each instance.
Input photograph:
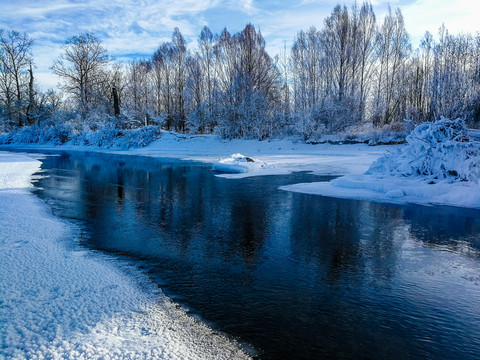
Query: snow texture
(439, 165)
(238, 163)
(60, 301)
(439, 150)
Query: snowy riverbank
(439, 165)
(285, 156)
(280, 156)
(59, 301)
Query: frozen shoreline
(58, 300)
(281, 156)
(286, 156)
(393, 190)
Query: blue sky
(131, 28)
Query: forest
(353, 71)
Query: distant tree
(114, 87)
(164, 82)
(284, 65)
(82, 69)
(179, 52)
(250, 84)
(16, 92)
(206, 42)
(455, 78)
(138, 93)
(394, 50)
(195, 103)
(366, 46)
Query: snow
(439, 165)
(60, 301)
(390, 189)
(238, 163)
(277, 157)
(395, 181)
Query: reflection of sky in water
(299, 276)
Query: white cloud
(457, 15)
(245, 6)
(129, 27)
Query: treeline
(352, 71)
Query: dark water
(297, 276)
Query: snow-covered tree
(82, 70)
(16, 77)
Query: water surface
(296, 276)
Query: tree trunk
(116, 102)
(31, 100)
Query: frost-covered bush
(439, 150)
(394, 133)
(103, 136)
(24, 135)
(109, 136)
(56, 134)
(106, 134)
(136, 137)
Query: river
(293, 276)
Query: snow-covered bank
(277, 157)
(58, 301)
(280, 156)
(394, 190)
(439, 165)
(396, 180)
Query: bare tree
(163, 79)
(15, 63)
(367, 44)
(81, 68)
(179, 76)
(139, 102)
(206, 43)
(393, 51)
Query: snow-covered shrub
(394, 133)
(439, 150)
(136, 137)
(103, 136)
(57, 134)
(109, 136)
(106, 134)
(23, 135)
(307, 126)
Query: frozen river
(294, 276)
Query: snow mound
(439, 165)
(439, 150)
(238, 163)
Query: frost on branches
(439, 150)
